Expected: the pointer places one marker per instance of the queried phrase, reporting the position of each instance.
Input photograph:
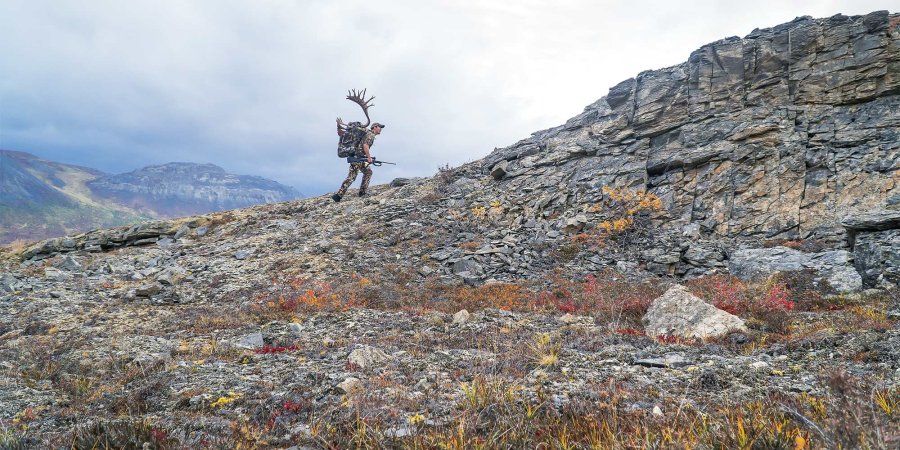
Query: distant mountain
(177, 189)
(41, 198)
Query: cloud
(255, 87)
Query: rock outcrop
(779, 135)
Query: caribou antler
(359, 97)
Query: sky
(255, 86)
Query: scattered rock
(461, 317)
(148, 290)
(70, 264)
(54, 274)
(349, 385)
(250, 341)
(670, 361)
(366, 357)
(567, 319)
(499, 170)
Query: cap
(379, 125)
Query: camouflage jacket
(369, 139)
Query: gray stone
(397, 182)
(241, 254)
(466, 265)
(145, 241)
(201, 231)
(882, 219)
(7, 283)
(182, 231)
(877, 258)
(575, 224)
(52, 273)
(70, 264)
(499, 170)
(669, 361)
(366, 357)
(148, 290)
(323, 246)
(461, 317)
(349, 385)
(680, 313)
(250, 341)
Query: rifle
(375, 162)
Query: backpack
(349, 142)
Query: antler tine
(359, 97)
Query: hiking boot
(336, 198)
(363, 194)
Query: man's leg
(367, 175)
(351, 177)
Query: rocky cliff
(783, 134)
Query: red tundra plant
(778, 297)
(567, 306)
(267, 349)
(630, 332)
(725, 292)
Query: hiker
(362, 151)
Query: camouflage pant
(355, 168)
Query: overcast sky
(255, 86)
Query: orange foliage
(496, 295)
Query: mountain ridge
(42, 198)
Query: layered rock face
(779, 135)
(185, 188)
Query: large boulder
(835, 267)
(877, 256)
(680, 313)
(875, 236)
